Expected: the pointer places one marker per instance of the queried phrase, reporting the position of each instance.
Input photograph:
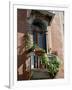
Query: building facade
(46, 29)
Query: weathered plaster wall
(57, 37)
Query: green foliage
(52, 63)
(34, 46)
(43, 50)
(27, 41)
(44, 58)
(53, 66)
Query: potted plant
(44, 59)
(52, 63)
(53, 66)
(39, 51)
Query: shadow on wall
(22, 27)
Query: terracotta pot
(39, 53)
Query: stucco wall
(57, 37)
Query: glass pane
(44, 41)
(34, 37)
(40, 40)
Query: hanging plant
(27, 41)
